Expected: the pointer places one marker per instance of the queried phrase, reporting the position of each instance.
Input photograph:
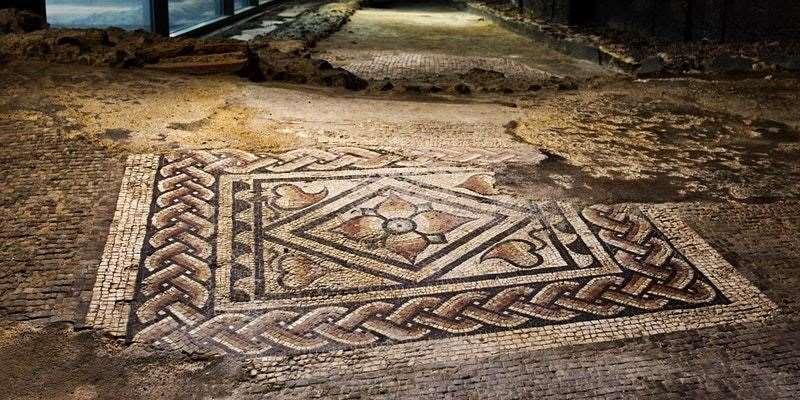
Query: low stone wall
(723, 20)
(263, 58)
(316, 25)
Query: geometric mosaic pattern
(316, 250)
(379, 64)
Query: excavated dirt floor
(436, 43)
(173, 236)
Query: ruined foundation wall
(36, 6)
(725, 20)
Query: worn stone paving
(428, 41)
(55, 196)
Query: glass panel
(126, 14)
(237, 4)
(185, 13)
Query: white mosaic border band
(116, 276)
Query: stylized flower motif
(401, 227)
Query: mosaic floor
(317, 250)
(403, 65)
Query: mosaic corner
(724, 275)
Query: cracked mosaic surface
(316, 250)
(400, 65)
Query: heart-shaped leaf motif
(292, 197)
(519, 253)
(297, 271)
(481, 184)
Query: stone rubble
(272, 58)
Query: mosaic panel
(316, 250)
(402, 65)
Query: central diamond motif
(402, 227)
(338, 236)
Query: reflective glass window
(185, 13)
(126, 14)
(238, 4)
